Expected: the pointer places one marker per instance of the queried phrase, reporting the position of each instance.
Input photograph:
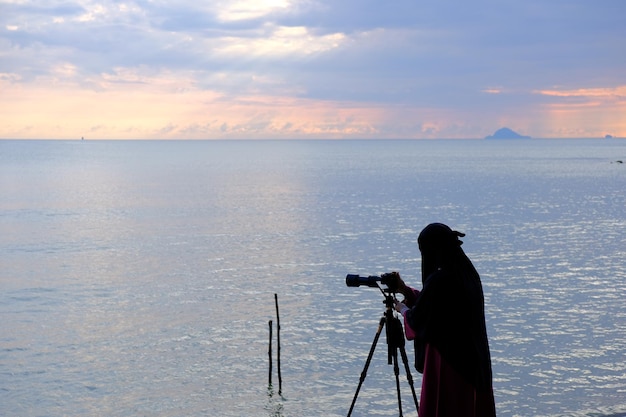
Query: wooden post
(280, 379)
(270, 355)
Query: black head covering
(440, 246)
(439, 236)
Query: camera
(389, 279)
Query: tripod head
(390, 297)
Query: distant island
(506, 133)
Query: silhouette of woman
(446, 320)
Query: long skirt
(446, 394)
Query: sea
(207, 278)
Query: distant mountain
(506, 133)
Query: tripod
(395, 342)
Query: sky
(327, 69)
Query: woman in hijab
(447, 321)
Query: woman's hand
(400, 307)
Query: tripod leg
(396, 371)
(409, 377)
(367, 363)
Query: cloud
(455, 69)
(618, 93)
(279, 43)
(249, 9)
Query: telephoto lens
(353, 280)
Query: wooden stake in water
(270, 355)
(280, 379)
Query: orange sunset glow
(290, 69)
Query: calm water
(138, 278)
